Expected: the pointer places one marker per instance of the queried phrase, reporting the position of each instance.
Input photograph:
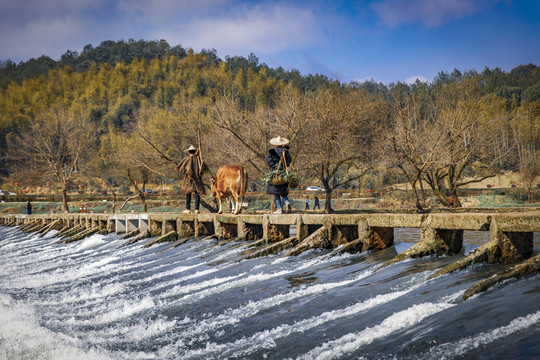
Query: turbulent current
(95, 299)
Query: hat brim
(279, 142)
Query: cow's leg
(235, 200)
(241, 201)
(220, 205)
(231, 205)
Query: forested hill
(522, 81)
(111, 52)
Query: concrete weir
(440, 234)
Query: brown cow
(231, 180)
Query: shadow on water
(301, 279)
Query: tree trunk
(328, 203)
(143, 201)
(113, 200)
(64, 200)
(457, 202)
(419, 207)
(422, 189)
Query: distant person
(275, 156)
(307, 202)
(316, 205)
(29, 208)
(193, 168)
(451, 201)
(3, 198)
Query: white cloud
(262, 31)
(50, 37)
(33, 28)
(231, 27)
(160, 10)
(431, 13)
(412, 79)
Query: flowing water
(93, 299)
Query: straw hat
(279, 141)
(191, 148)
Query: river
(94, 299)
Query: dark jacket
(272, 159)
(193, 172)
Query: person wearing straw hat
(193, 168)
(280, 192)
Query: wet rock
(177, 243)
(369, 238)
(526, 268)
(378, 238)
(144, 235)
(503, 248)
(63, 230)
(36, 226)
(27, 225)
(170, 236)
(275, 248)
(350, 247)
(257, 243)
(319, 239)
(71, 232)
(432, 242)
(82, 235)
(131, 234)
(277, 233)
(55, 225)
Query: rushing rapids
(204, 299)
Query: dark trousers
(197, 201)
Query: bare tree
(403, 144)
(527, 134)
(338, 138)
(159, 139)
(241, 135)
(530, 171)
(463, 142)
(55, 144)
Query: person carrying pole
(193, 167)
(276, 158)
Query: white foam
(67, 272)
(463, 346)
(91, 242)
(93, 292)
(197, 274)
(227, 284)
(23, 337)
(234, 316)
(398, 321)
(141, 330)
(50, 234)
(186, 289)
(266, 339)
(113, 311)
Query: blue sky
(384, 40)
